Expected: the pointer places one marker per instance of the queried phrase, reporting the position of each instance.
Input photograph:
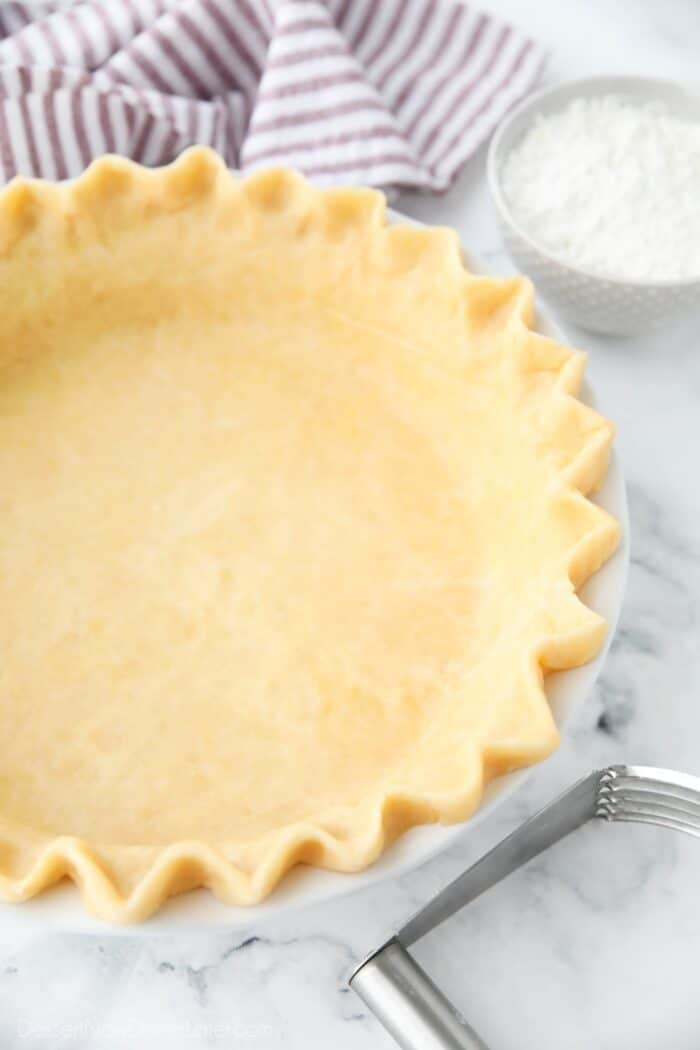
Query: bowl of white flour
(597, 187)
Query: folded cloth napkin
(397, 93)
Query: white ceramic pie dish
(60, 908)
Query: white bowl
(592, 301)
(61, 909)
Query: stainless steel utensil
(412, 1009)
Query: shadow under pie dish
(293, 517)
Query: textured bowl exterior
(593, 302)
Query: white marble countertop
(595, 945)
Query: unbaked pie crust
(292, 518)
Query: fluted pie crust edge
(444, 780)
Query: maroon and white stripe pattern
(353, 91)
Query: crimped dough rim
(31, 861)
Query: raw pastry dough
(292, 516)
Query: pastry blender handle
(392, 984)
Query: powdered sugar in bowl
(597, 187)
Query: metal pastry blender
(402, 996)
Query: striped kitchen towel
(397, 93)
